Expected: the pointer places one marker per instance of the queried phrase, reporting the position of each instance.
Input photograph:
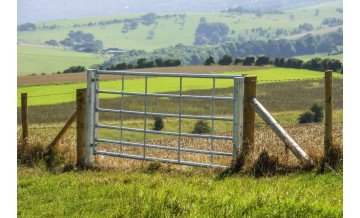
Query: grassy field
(169, 32)
(38, 60)
(157, 85)
(170, 193)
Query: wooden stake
(24, 117)
(80, 126)
(328, 139)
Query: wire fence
(285, 99)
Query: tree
(148, 18)
(262, 60)
(52, 42)
(209, 61)
(279, 62)
(249, 60)
(210, 33)
(159, 62)
(27, 27)
(225, 60)
(238, 61)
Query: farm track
(81, 77)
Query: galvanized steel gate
(93, 124)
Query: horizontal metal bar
(164, 133)
(164, 147)
(164, 115)
(166, 95)
(217, 76)
(159, 159)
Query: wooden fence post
(24, 117)
(80, 126)
(328, 139)
(249, 118)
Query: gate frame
(93, 104)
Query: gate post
(90, 117)
(249, 116)
(238, 115)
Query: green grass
(37, 60)
(169, 193)
(158, 85)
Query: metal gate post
(238, 114)
(90, 117)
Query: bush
(314, 115)
(307, 117)
(158, 124)
(201, 127)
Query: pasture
(119, 187)
(32, 59)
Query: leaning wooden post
(80, 126)
(328, 139)
(24, 117)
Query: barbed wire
(49, 95)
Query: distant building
(114, 50)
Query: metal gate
(93, 123)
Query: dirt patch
(81, 77)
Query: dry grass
(308, 136)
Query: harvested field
(81, 77)
(310, 138)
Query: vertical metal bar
(238, 114)
(180, 113)
(90, 109)
(145, 110)
(212, 121)
(122, 115)
(96, 106)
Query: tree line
(197, 54)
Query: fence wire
(285, 99)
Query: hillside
(43, 10)
(171, 29)
(166, 31)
